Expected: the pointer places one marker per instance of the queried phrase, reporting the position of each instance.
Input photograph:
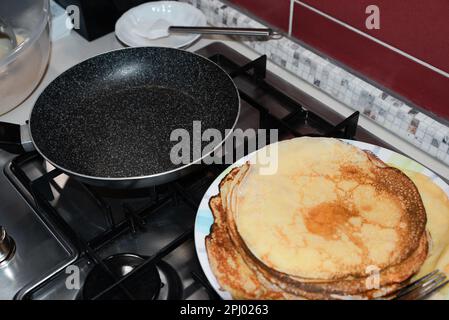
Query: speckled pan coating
(112, 115)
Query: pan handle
(15, 138)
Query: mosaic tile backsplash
(407, 122)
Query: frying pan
(107, 121)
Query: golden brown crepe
(436, 203)
(236, 277)
(315, 227)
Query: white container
(22, 69)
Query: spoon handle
(260, 32)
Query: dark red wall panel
(418, 27)
(276, 12)
(415, 82)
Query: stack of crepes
(332, 222)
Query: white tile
(390, 112)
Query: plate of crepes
(334, 219)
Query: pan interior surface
(112, 116)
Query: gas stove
(62, 239)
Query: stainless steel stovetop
(137, 243)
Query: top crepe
(329, 212)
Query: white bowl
(22, 69)
(144, 16)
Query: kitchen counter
(73, 49)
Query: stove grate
(290, 125)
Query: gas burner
(155, 282)
(146, 286)
(171, 288)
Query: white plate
(175, 13)
(204, 218)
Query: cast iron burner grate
(158, 282)
(104, 281)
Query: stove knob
(7, 247)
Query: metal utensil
(6, 31)
(247, 32)
(161, 29)
(423, 287)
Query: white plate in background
(144, 16)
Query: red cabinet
(420, 28)
(409, 54)
(417, 83)
(275, 12)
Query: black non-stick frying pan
(108, 120)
